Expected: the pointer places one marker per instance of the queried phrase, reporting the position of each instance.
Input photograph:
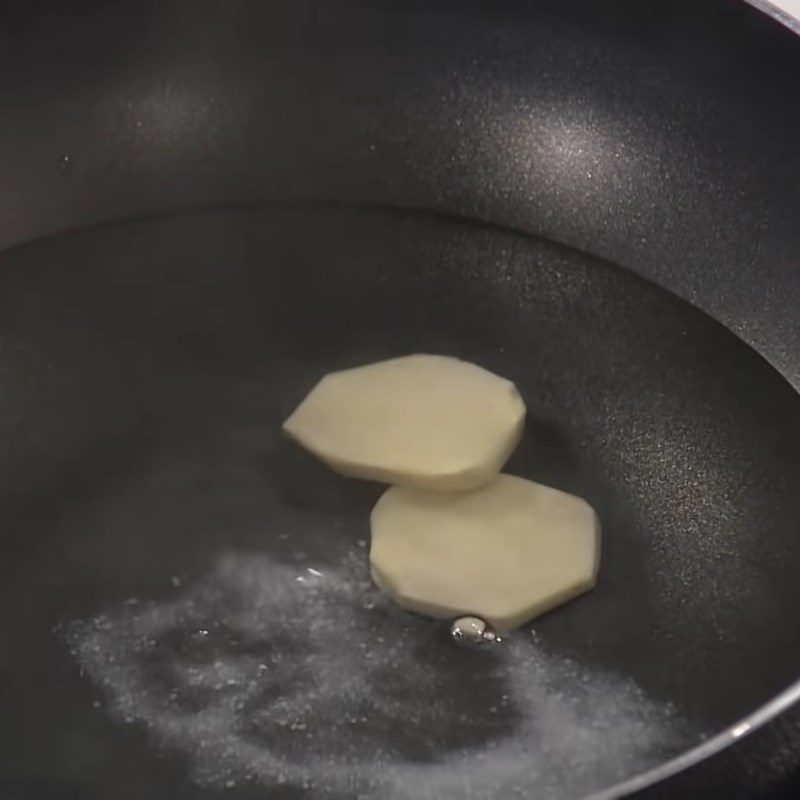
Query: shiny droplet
(472, 632)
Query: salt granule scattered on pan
(270, 673)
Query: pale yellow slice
(506, 552)
(423, 420)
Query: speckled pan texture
(478, 179)
(149, 368)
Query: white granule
(279, 674)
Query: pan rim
(775, 10)
(781, 702)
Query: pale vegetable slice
(505, 552)
(422, 420)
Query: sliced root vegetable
(428, 421)
(506, 552)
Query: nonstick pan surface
(148, 366)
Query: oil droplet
(472, 632)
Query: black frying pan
(367, 180)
